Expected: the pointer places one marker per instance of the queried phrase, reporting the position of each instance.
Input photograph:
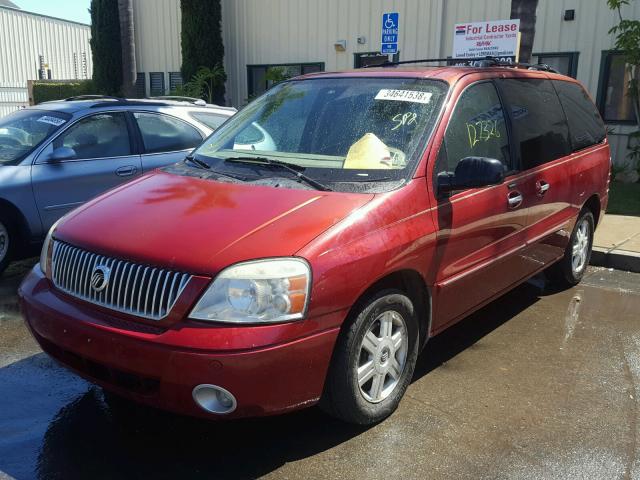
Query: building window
(262, 77)
(141, 88)
(175, 80)
(156, 79)
(364, 59)
(565, 63)
(613, 99)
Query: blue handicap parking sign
(390, 31)
(389, 48)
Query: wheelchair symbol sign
(390, 29)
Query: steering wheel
(398, 158)
(9, 141)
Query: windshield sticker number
(51, 120)
(404, 96)
(403, 119)
(482, 131)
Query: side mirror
(62, 153)
(471, 172)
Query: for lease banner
(497, 38)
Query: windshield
(337, 130)
(22, 131)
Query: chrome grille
(141, 290)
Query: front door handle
(126, 171)
(515, 199)
(541, 187)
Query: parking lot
(538, 384)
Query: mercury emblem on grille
(100, 278)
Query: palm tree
(127, 40)
(525, 10)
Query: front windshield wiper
(204, 165)
(295, 169)
(197, 162)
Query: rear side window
(162, 133)
(585, 125)
(540, 127)
(211, 120)
(476, 129)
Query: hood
(201, 226)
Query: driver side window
(476, 129)
(103, 135)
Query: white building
(300, 36)
(33, 47)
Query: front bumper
(161, 368)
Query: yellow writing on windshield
(482, 131)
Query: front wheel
(573, 265)
(374, 360)
(6, 244)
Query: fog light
(214, 399)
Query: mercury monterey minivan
(374, 209)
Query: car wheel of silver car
(6, 244)
(373, 361)
(573, 265)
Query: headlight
(45, 254)
(262, 291)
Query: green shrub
(45, 91)
(201, 40)
(106, 47)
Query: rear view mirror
(472, 172)
(62, 153)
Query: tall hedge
(202, 39)
(106, 48)
(44, 91)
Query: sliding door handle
(541, 187)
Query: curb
(614, 258)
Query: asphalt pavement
(538, 384)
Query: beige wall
(25, 36)
(157, 36)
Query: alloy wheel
(383, 356)
(580, 247)
(4, 241)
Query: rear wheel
(571, 268)
(6, 243)
(374, 360)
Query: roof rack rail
(180, 98)
(94, 97)
(125, 102)
(480, 62)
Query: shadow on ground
(58, 426)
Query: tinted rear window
(540, 127)
(585, 125)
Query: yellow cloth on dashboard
(368, 153)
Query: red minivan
(310, 247)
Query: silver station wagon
(57, 155)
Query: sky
(76, 10)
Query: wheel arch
(413, 285)
(594, 206)
(14, 215)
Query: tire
(571, 268)
(385, 359)
(7, 243)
